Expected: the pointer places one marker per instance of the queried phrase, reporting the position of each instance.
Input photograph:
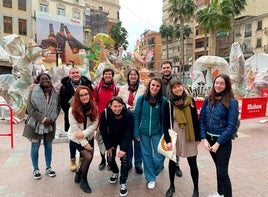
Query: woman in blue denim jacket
(218, 120)
(148, 128)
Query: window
(8, 25)
(22, 5)
(100, 8)
(258, 44)
(43, 7)
(248, 30)
(60, 11)
(7, 3)
(259, 25)
(22, 27)
(76, 15)
(118, 15)
(237, 32)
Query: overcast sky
(139, 15)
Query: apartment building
(151, 48)
(45, 20)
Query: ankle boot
(195, 193)
(84, 186)
(170, 191)
(73, 166)
(102, 163)
(77, 177)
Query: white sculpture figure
(237, 70)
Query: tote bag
(162, 145)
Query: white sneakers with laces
(151, 185)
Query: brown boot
(73, 166)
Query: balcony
(266, 30)
(248, 34)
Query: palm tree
(216, 16)
(179, 10)
(119, 34)
(166, 32)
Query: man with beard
(166, 70)
(103, 92)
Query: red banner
(253, 107)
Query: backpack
(235, 135)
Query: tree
(216, 16)
(179, 10)
(166, 32)
(119, 34)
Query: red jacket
(103, 94)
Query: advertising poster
(253, 107)
(61, 35)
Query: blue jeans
(35, 153)
(221, 159)
(137, 153)
(152, 160)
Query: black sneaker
(50, 172)
(123, 189)
(37, 175)
(114, 178)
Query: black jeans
(221, 159)
(124, 166)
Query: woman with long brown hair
(83, 118)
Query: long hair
(76, 104)
(147, 92)
(136, 71)
(228, 92)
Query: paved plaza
(248, 169)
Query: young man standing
(166, 70)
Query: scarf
(47, 108)
(183, 115)
(75, 84)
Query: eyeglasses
(82, 95)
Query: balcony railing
(248, 34)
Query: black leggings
(193, 169)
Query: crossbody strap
(170, 119)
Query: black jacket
(117, 131)
(67, 91)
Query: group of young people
(133, 118)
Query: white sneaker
(216, 194)
(151, 185)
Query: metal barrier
(11, 124)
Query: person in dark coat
(116, 127)
(69, 85)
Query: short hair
(105, 70)
(166, 62)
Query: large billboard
(62, 35)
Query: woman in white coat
(83, 118)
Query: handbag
(162, 145)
